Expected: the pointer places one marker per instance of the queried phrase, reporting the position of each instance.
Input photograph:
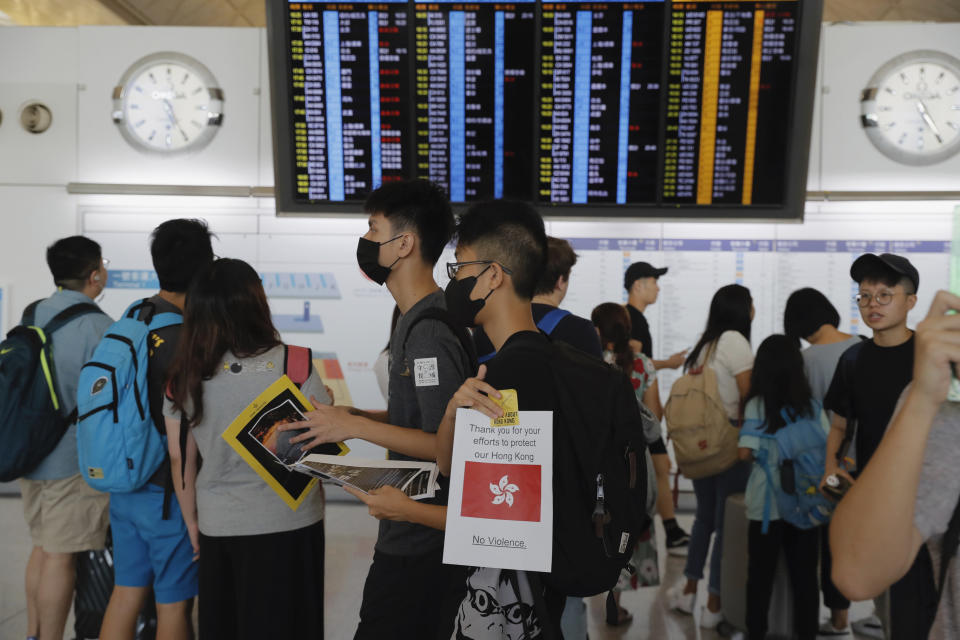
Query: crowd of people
(871, 414)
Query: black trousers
(408, 597)
(832, 597)
(800, 547)
(913, 600)
(263, 586)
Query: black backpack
(599, 473)
(31, 411)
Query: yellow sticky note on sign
(511, 409)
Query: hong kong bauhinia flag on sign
(501, 491)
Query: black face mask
(368, 257)
(461, 307)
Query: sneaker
(680, 601)
(710, 619)
(827, 630)
(869, 626)
(677, 541)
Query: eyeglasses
(106, 262)
(454, 267)
(486, 604)
(883, 298)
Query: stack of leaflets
(292, 473)
(416, 479)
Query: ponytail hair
(613, 323)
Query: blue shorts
(149, 551)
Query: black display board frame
(795, 172)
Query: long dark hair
(613, 323)
(778, 378)
(729, 311)
(226, 310)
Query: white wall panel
(231, 54)
(852, 53)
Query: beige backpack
(704, 441)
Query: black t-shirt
(162, 346)
(577, 332)
(640, 330)
(522, 364)
(866, 386)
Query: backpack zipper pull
(600, 514)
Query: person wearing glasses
(65, 516)
(868, 380)
(410, 223)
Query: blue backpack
(802, 446)
(118, 443)
(32, 420)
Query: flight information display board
(350, 104)
(600, 102)
(729, 96)
(659, 108)
(474, 65)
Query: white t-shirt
(728, 357)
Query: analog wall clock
(910, 108)
(168, 103)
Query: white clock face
(168, 103)
(910, 109)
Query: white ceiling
(250, 13)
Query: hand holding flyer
(256, 435)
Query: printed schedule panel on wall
(591, 109)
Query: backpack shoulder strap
(164, 320)
(30, 313)
(551, 319)
(948, 550)
(442, 315)
(296, 363)
(68, 314)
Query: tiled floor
(350, 536)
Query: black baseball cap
(641, 270)
(898, 264)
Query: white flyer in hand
(500, 510)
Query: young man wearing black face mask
(501, 253)
(410, 224)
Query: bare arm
(743, 388)
(875, 545)
(185, 483)
(651, 399)
(376, 416)
(336, 424)
(838, 430)
(389, 503)
(673, 362)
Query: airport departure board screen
(350, 106)
(615, 109)
(474, 70)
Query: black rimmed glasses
(454, 267)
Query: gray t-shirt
(821, 360)
(232, 500)
(72, 346)
(422, 381)
(937, 496)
